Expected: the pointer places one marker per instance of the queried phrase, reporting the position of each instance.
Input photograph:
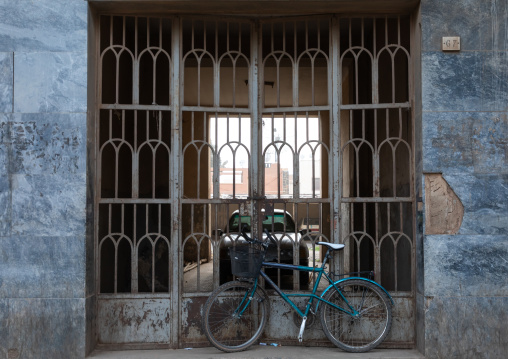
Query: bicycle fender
(358, 278)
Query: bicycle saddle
(332, 246)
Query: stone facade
(463, 293)
(43, 103)
(46, 281)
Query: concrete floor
(259, 352)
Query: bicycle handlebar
(269, 236)
(254, 240)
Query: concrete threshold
(258, 351)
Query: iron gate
(302, 126)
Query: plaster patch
(443, 209)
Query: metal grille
(134, 155)
(296, 138)
(299, 125)
(377, 196)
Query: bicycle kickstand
(302, 328)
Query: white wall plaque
(451, 43)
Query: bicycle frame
(320, 273)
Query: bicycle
(355, 312)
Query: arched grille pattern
(376, 150)
(299, 125)
(134, 155)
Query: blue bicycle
(355, 312)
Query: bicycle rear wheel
(361, 332)
(232, 323)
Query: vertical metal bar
(216, 67)
(116, 171)
(135, 159)
(215, 246)
(296, 160)
(335, 190)
(216, 159)
(135, 65)
(376, 165)
(177, 173)
(377, 247)
(135, 253)
(256, 93)
(97, 155)
(375, 70)
(412, 73)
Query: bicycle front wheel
(368, 327)
(234, 317)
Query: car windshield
(277, 220)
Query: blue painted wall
(464, 304)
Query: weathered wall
(465, 126)
(44, 286)
(43, 74)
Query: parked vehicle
(282, 227)
(310, 225)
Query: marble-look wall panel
(466, 327)
(5, 122)
(4, 326)
(48, 144)
(494, 27)
(465, 142)
(90, 278)
(451, 81)
(47, 328)
(5, 204)
(495, 80)
(484, 199)
(459, 266)
(5, 183)
(50, 82)
(49, 205)
(43, 25)
(451, 18)
(489, 142)
(42, 267)
(447, 141)
(6, 81)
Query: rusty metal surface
(133, 320)
(191, 332)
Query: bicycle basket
(246, 261)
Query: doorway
(302, 125)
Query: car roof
(278, 211)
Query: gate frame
(97, 8)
